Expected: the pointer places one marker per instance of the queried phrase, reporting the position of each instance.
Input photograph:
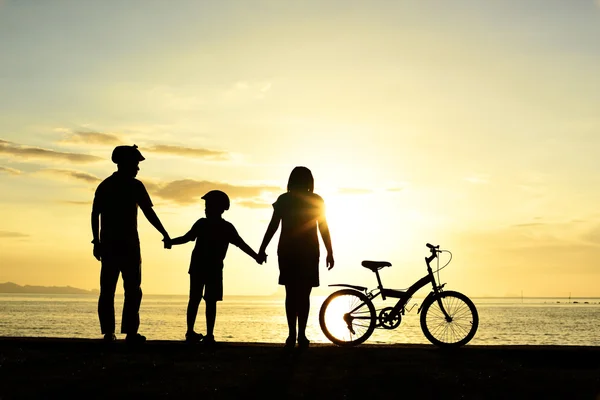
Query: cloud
(16, 150)
(354, 191)
(188, 191)
(187, 151)
(76, 203)
(529, 225)
(254, 204)
(9, 234)
(244, 91)
(10, 171)
(79, 137)
(78, 175)
(477, 180)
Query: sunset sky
(470, 124)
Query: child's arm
(188, 237)
(247, 249)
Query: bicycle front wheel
(347, 317)
(454, 328)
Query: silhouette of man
(116, 241)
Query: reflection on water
(261, 319)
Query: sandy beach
(53, 368)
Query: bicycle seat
(375, 265)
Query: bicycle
(448, 318)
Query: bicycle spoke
(461, 319)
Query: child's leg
(192, 311)
(291, 312)
(211, 316)
(303, 306)
(196, 288)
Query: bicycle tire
(333, 325)
(455, 333)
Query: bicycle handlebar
(434, 251)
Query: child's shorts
(209, 286)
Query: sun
(369, 226)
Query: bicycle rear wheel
(347, 317)
(455, 331)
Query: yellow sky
(472, 126)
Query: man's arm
(96, 234)
(153, 219)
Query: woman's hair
(301, 180)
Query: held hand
(261, 258)
(330, 261)
(98, 251)
(167, 242)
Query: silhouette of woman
(301, 213)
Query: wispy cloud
(10, 171)
(94, 138)
(354, 191)
(9, 234)
(188, 151)
(71, 174)
(242, 91)
(20, 151)
(529, 225)
(189, 191)
(76, 203)
(477, 179)
(254, 204)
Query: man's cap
(125, 154)
(217, 197)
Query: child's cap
(217, 197)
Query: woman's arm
(271, 229)
(324, 229)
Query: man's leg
(109, 275)
(132, 279)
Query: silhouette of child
(301, 213)
(212, 235)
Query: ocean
(503, 321)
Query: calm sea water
(257, 319)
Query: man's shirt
(117, 199)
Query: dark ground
(60, 368)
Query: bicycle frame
(403, 296)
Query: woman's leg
(291, 310)
(303, 307)
(211, 316)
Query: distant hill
(10, 287)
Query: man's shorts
(209, 286)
